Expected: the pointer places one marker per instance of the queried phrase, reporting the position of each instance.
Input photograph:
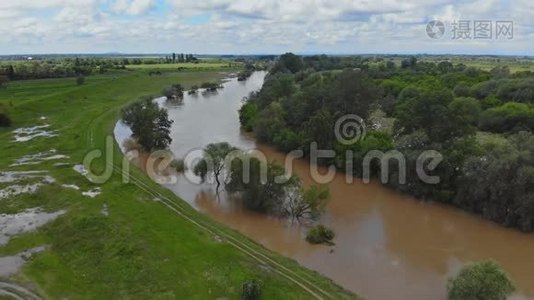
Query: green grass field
(144, 249)
(189, 66)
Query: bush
(251, 290)
(320, 234)
(511, 116)
(173, 91)
(480, 281)
(80, 80)
(211, 86)
(462, 90)
(5, 121)
(178, 165)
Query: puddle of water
(34, 159)
(93, 193)
(13, 176)
(26, 221)
(16, 189)
(30, 133)
(11, 265)
(105, 210)
(80, 169)
(71, 186)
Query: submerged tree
(307, 205)
(262, 185)
(149, 123)
(213, 161)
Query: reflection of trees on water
(174, 101)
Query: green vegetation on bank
(141, 248)
(410, 106)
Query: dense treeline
(480, 121)
(71, 67)
(58, 68)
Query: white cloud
(133, 7)
(245, 26)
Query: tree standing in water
(149, 123)
(213, 161)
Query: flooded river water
(387, 245)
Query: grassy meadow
(188, 66)
(143, 249)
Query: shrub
(5, 121)
(211, 86)
(320, 234)
(80, 80)
(511, 116)
(462, 90)
(173, 91)
(251, 290)
(480, 281)
(178, 165)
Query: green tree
(248, 115)
(262, 185)
(430, 112)
(214, 161)
(5, 121)
(352, 92)
(251, 290)
(462, 90)
(320, 234)
(289, 62)
(480, 281)
(80, 79)
(149, 123)
(270, 121)
(509, 117)
(306, 205)
(466, 109)
(3, 79)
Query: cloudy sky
(260, 26)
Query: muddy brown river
(387, 245)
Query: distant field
(487, 65)
(513, 65)
(203, 65)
